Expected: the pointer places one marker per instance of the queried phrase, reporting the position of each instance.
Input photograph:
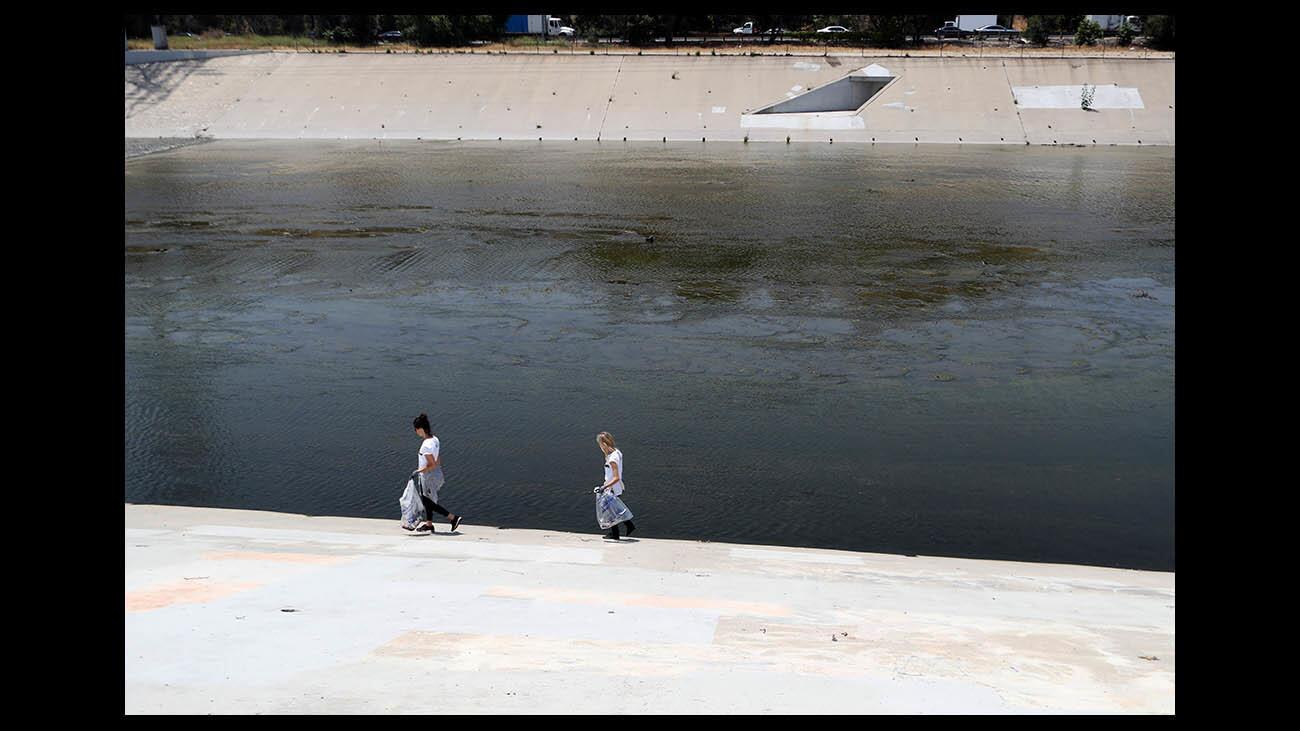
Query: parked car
(949, 30)
(833, 29)
(392, 35)
(996, 31)
(746, 29)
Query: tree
(639, 29)
(919, 25)
(887, 31)
(1160, 31)
(1087, 33)
(1037, 30)
(363, 28)
(1125, 33)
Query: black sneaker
(455, 522)
(613, 534)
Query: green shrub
(1160, 31)
(1126, 33)
(341, 34)
(888, 31)
(1088, 33)
(1036, 30)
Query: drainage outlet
(835, 106)
(846, 95)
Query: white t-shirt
(429, 446)
(615, 457)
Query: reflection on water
(950, 351)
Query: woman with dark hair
(429, 476)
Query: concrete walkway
(247, 612)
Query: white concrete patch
(719, 110)
(896, 105)
(805, 66)
(1068, 97)
(759, 554)
(803, 120)
(876, 69)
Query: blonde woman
(610, 510)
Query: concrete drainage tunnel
(848, 94)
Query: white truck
(554, 28)
(537, 25)
(964, 25)
(1113, 22)
(969, 23)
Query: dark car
(392, 35)
(949, 31)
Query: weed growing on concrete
(1085, 97)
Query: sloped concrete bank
(231, 611)
(651, 98)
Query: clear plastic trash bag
(412, 507)
(610, 511)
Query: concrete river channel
(937, 350)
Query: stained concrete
(526, 621)
(562, 97)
